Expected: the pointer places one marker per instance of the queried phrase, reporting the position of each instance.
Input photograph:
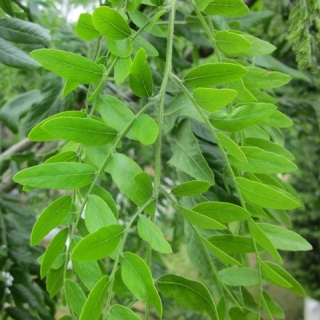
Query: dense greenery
(157, 131)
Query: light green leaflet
(137, 277)
(284, 239)
(50, 218)
(140, 80)
(266, 196)
(122, 69)
(212, 74)
(68, 65)
(98, 244)
(118, 312)
(273, 277)
(258, 78)
(93, 306)
(38, 134)
(85, 28)
(75, 296)
(67, 156)
(222, 212)
(190, 188)
(149, 232)
(188, 293)
(110, 23)
(239, 276)
(200, 220)
(231, 43)
(59, 176)
(232, 244)
(120, 48)
(241, 117)
(86, 131)
(260, 161)
(98, 214)
(187, 155)
(55, 248)
(211, 99)
(54, 281)
(231, 147)
(227, 8)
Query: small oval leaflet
(50, 218)
(227, 8)
(212, 74)
(99, 244)
(86, 131)
(110, 23)
(237, 277)
(190, 188)
(118, 312)
(231, 43)
(58, 176)
(85, 28)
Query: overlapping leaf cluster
(219, 116)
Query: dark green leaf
(188, 293)
(120, 48)
(232, 244)
(227, 8)
(60, 176)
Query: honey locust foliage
(156, 119)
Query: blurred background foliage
(292, 26)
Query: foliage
(148, 150)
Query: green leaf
(277, 120)
(222, 212)
(231, 147)
(258, 47)
(269, 146)
(123, 170)
(140, 42)
(149, 232)
(273, 306)
(110, 23)
(219, 254)
(262, 79)
(50, 218)
(231, 43)
(295, 285)
(262, 239)
(244, 95)
(140, 80)
(67, 156)
(260, 161)
(98, 214)
(59, 176)
(188, 293)
(85, 28)
(212, 74)
(86, 131)
(12, 56)
(187, 155)
(38, 134)
(122, 69)
(273, 277)
(211, 99)
(144, 191)
(266, 196)
(93, 306)
(232, 244)
(55, 248)
(54, 280)
(241, 117)
(200, 220)
(120, 48)
(284, 239)
(244, 276)
(98, 244)
(190, 188)
(25, 32)
(145, 129)
(68, 65)
(227, 8)
(137, 277)
(75, 296)
(119, 312)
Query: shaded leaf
(231, 43)
(119, 312)
(232, 244)
(75, 296)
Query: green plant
(172, 146)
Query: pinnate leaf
(50, 218)
(68, 65)
(244, 276)
(137, 277)
(144, 191)
(232, 244)
(227, 8)
(188, 293)
(59, 176)
(98, 244)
